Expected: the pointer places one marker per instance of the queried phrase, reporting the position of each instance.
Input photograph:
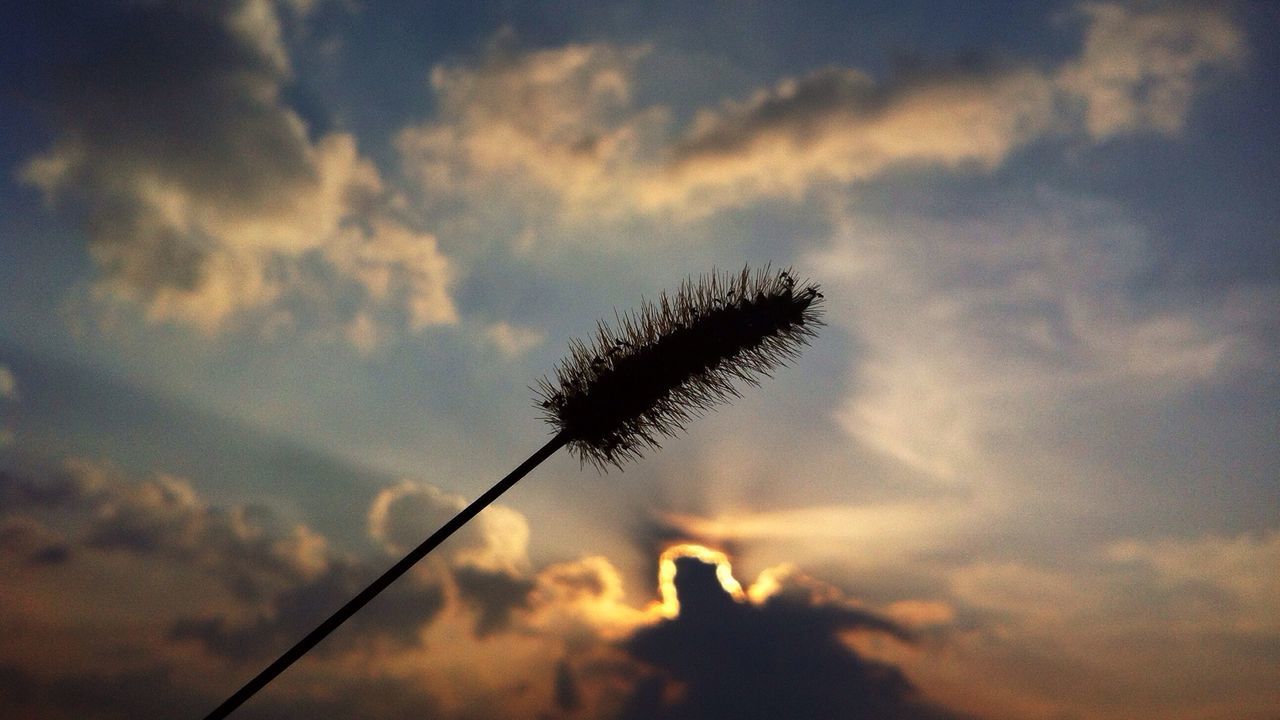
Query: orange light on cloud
(669, 606)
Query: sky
(277, 276)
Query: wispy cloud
(1141, 67)
(970, 323)
(840, 125)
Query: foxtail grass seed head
(673, 359)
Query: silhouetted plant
(662, 365)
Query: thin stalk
(346, 611)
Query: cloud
(209, 201)
(513, 340)
(581, 601)
(1138, 70)
(204, 197)
(562, 125)
(193, 596)
(972, 323)
(159, 692)
(1240, 570)
(8, 391)
(876, 534)
(127, 576)
(558, 131)
(567, 696)
(32, 541)
(721, 658)
(1196, 614)
(404, 515)
(163, 517)
(1141, 66)
(8, 384)
(402, 611)
(494, 595)
(782, 644)
(840, 125)
(474, 636)
(149, 693)
(554, 125)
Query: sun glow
(669, 607)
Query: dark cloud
(185, 90)
(164, 692)
(493, 595)
(56, 489)
(727, 658)
(403, 514)
(724, 659)
(358, 698)
(204, 194)
(248, 549)
(395, 616)
(182, 94)
(287, 575)
(153, 692)
(31, 541)
(653, 533)
(568, 697)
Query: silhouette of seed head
(673, 359)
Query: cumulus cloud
(204, 196)
(245, 548)
(564, 640)
(582, 601)
(208, 201)
(237, 583)
(563, 123)
(494, 595)
(1141, 66)
(404, 515)
(1138, 70)
(784, 644)
(283, 579)
(403, 609)
(783, 658)
(555, 125)
(560, 129)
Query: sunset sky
(276, 277)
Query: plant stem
(388, 577)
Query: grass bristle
(673, 359)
